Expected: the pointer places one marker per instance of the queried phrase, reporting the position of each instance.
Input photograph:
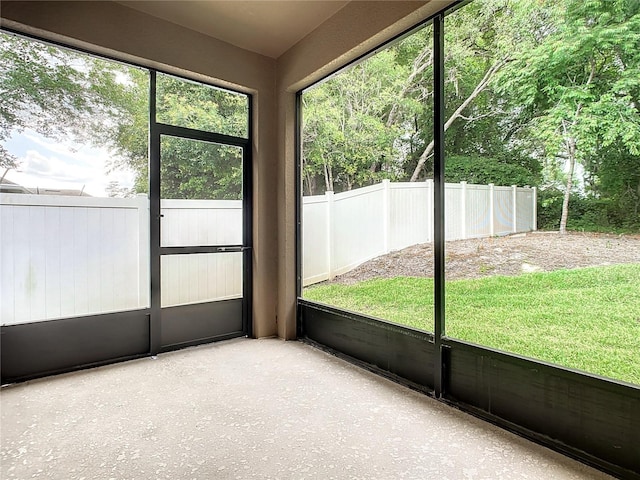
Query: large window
(541, 191)
(75, 193)
(74, 225)
(544, 82)
(363, 214)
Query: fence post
(514, 189)
(534, 220)
(330, 207)
(463, 209)
(429, 210)
(386, 214)
(491, 212)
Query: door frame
(156, 131)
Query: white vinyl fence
(200, 277)
(341, 231)
(69, 256)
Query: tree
(346, 140)
(66, 95)
(582, 82)
(479, 43)
(55, 92)
(189, 169)
(199, 170)
(528, 84)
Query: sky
(46, 163)
(52, 164)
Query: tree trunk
(567, 193)
(310, 180)
(571, 151)
(328, 178)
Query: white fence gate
(69, 256)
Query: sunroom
(367, 179)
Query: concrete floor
(252, 409)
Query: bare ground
(509, 255)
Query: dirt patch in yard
(509, 255)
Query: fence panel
(315, 238)
(70, 256)
(357, 228)
(201, 222)
(410, 214)
(525, 209)
(502, 210)
(201, 277)
(478, 215)
(454, 211)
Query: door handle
(232, 249)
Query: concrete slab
(252, 409)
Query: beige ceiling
(268, 27)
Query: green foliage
(615, 177)
(613, 212)
(66, 95)
(58, 93)
(561, 87)
(548, 316)
(550, 208)
(190, 169)
(346, 141)
(485, 170)
(587, 212)
(199, 170)
(580, 81)
(478, 36)
(201, 107)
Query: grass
(588, 319)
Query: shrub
(586, 213)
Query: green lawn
(587, 318)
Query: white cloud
(74, 152)
(51, 164)
(55, 169)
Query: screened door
(204, 246)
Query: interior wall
(123, 33)
(355, 30)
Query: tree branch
(419, 65)
(458, 112)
